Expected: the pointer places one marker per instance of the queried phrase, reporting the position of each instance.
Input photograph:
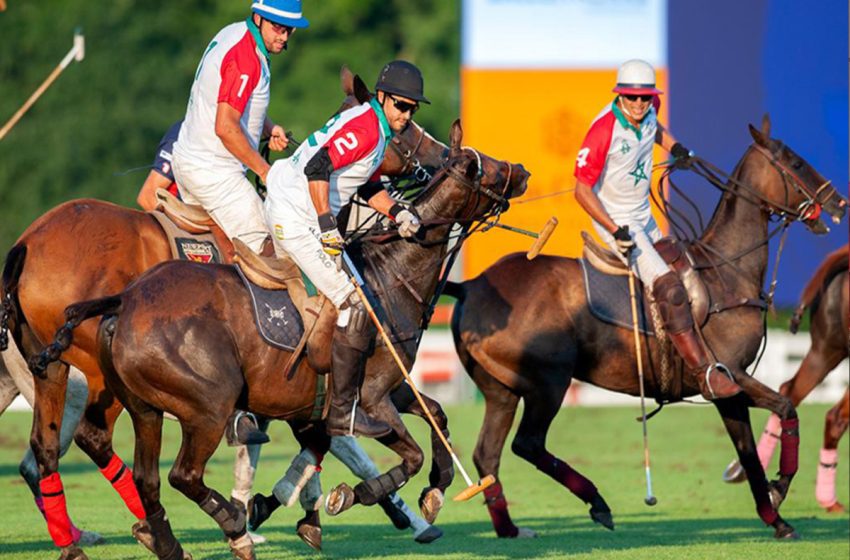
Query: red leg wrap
(121, 478)
(497, 506)
(766, 512)
(790, 440)
(566, 475)
(55, 510)
(75, 533)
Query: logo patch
(278, 231)
(624, 147)
(196, 251)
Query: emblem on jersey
(278, 231)
(638, 172)
(624, 147)
(166, 167)
(196, 251)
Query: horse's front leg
(442, 469)
(736, 418)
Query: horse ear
(455, 135)
(346, 79)
(361, 92)
(765, 125)
(757, 135)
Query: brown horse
(527, 339)
(84, 249)
(828, 299)
(181, 339)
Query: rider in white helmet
(613, 171)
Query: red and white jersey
(356, 140)
(233, 70)
(616, 159)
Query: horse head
(797, 191)
(471, 186)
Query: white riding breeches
(301, 241)
(645, 261)
(230, 200)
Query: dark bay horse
(827, 296)
(85, 249)
(181, 339)
(523, 330)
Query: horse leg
(442, 470)
(836, 423)
(500, 408)
(94, 437)
(541, 406)
(736, 417)
(244, 471)
(201, 435)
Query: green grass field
(697, 516)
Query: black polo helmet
(402, 78)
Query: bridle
(412, 167)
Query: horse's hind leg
(541, 406)
(835, 426)
(736, 418)
(442, 470)
(500, 408)
(201, 435)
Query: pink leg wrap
(121, 478)
(55, 510)
(825, 489)
(566, 475)
(769, 438)
(497, 506)
(790, 446)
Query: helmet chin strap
(626, 111)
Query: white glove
(408, 223)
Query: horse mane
(835, 263)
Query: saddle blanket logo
(197, 251)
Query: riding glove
(407, 220)
(624, 241)
(332, 241)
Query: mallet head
(79, 44)
(650, 500)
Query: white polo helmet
(636, 77)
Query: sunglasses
(278, 28)
(405, 106)
(632, 97)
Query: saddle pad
(609, 300)
(187, 246)
(277, 318)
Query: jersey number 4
(581, 159)
(347, 142)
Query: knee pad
(672, 300)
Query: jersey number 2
(347, 142)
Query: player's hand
(278, 140)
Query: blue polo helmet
(283, 12)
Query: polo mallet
(77, 52)
(471, 489)
(541, 238)
(650, 500)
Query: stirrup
(724, 371)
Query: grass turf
(697, 516)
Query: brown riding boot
(715, 380)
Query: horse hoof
(786, 532)
(90, 538)
(311, 535)
(72, 552)
(601, 513)
(339, 499)
(142, 533)
(430, 503)
(399, 520)
(524, 533)
(428, 535)
(837, 507)
(243, 548)
(734, 473)
(256, 538)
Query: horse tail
(835, 263)
(10, 315)
(74, 315)
(455, 290)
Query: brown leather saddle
(674, 254)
